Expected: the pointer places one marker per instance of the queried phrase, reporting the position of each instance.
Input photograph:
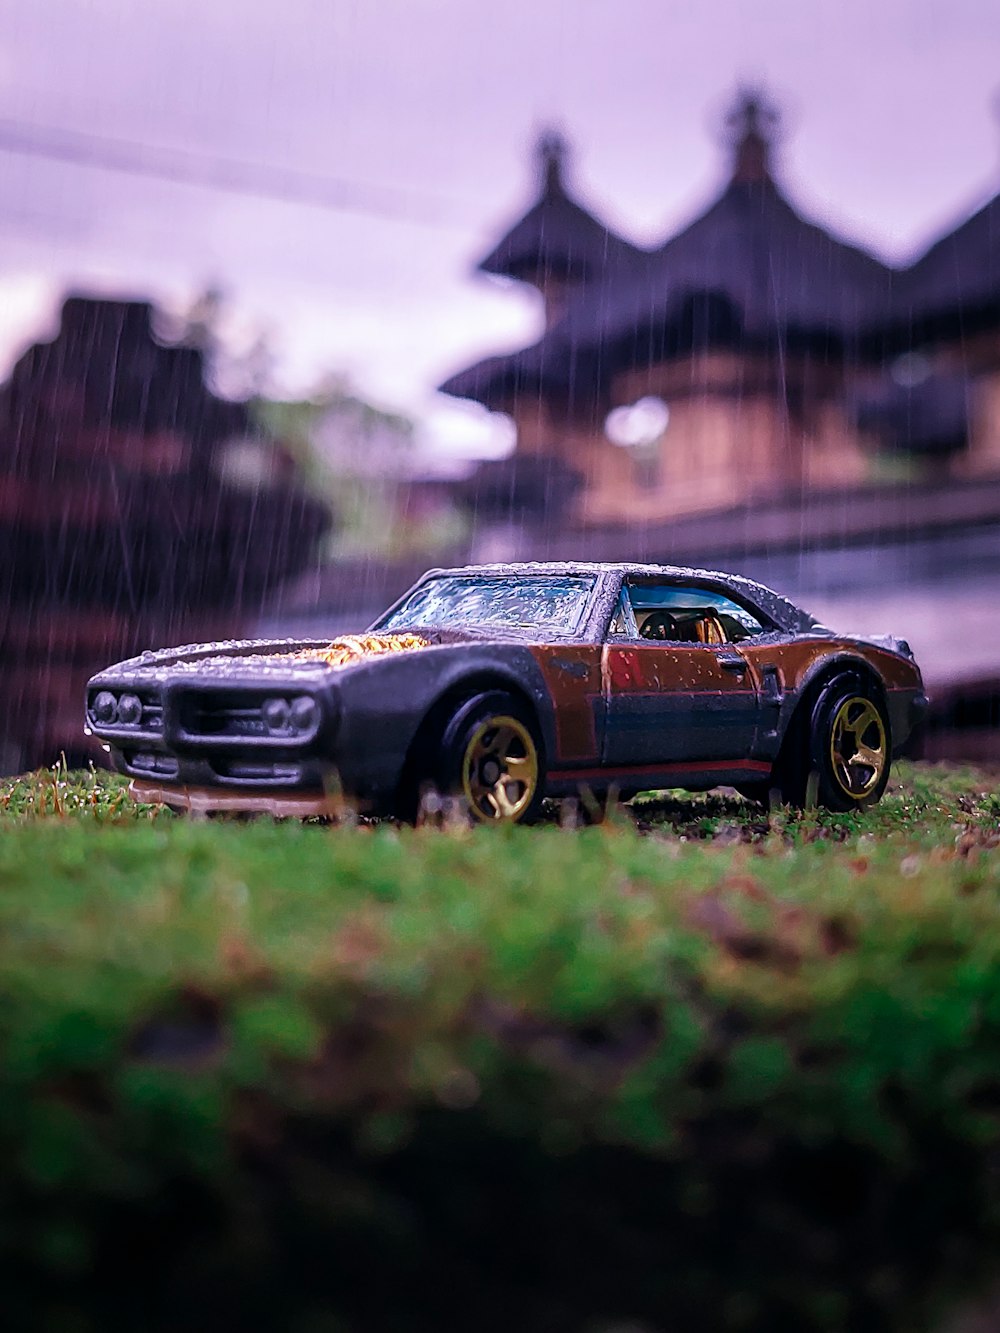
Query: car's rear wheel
(844, 758)
(492, 759)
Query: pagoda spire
(552, 151)
(557, 242)
(752, 126)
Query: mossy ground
(305, 1031)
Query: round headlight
(105, 707)
(130, 710)
(305, 713)
(275, 714)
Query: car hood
(263, 658)
(266, 656)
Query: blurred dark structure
(943, 334)
(787, 359)
(558, 247)
(557, 401)
(118, 531)
(538, 487)
(745, 324)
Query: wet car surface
(503, 684)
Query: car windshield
(555, 604)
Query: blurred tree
(199, 323)
(240, 367)
(362, 457)
(349, 452)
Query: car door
(775, 663)
(572, 673)
(674, 700)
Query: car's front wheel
(492, 759)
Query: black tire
(840, 755)
(758, 792)
(492, 758)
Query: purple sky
(891, 134)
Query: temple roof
(780, 273)
(960, 272)
(556, 236)
(497, 380)
(750, 269)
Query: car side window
(675, 613)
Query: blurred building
(767, 356)
(129, 516)
(942, 348)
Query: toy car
(504, 684)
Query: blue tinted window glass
(649, 597)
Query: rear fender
(799, 700)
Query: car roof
(780, 609)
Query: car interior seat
(659, 625)
(709, 628)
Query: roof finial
(752, 124)
(552, 150)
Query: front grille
(152, 710)
(222, 716)
(276, 716)
(142, 761)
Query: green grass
(925, 805)
(746, 1064)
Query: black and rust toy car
(503, 684)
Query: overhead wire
(232, 175)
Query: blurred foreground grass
(742, 1072)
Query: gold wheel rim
(857, 747)
(500, 770)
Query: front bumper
(907, 710)
(205, 744)
(209, 800)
